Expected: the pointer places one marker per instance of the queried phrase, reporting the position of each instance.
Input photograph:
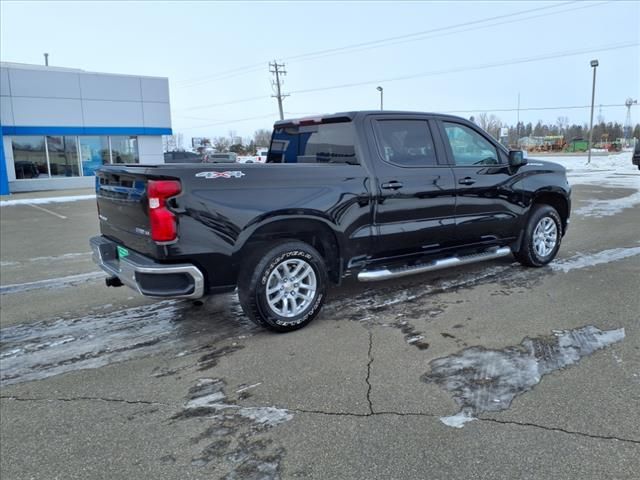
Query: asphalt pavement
(490, 370)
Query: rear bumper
(146, 276)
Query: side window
(406, 143)
(469, 147)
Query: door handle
(466, 181)
(394, 185)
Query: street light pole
(594, 64)
(381, 90)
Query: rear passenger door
(415, 200)
(488, 204)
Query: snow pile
(611, 171)
(614, 170)
(42, 201)
(582, 260)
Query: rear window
(324, 143)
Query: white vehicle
(259, 157)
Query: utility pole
(278, 69)
(518, 121)
(594, 65)
(381, 90)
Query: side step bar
(385, 273)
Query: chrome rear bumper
(145, 275)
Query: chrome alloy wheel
(291, 287)
(545, 237)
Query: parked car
(182, 157)
(228, 157)
(636, 155)
(373, 195)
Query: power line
(432, 73)
(225, 122)
(382, 42)
(476, 67)
(524, 109)
(220, 104)
(489, 110)
(421, 33)
(424, 36)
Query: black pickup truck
(375, 195)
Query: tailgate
(123, 207)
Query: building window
(124, 150)
(94, 152)
(30, 157)
(63, 156)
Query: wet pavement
(99, 383)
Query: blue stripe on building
(4, 177)
(84, 131)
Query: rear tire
(542, 236)
(283, 287)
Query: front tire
(284, 288)
(542, 236)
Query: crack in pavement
(369, 371)
(80, 399)
(561, 430)
(491, 420)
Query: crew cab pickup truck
(374, 195)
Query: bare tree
(489, 123)
(262, 137)
(221, 144)
(563, 123)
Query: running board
(385, 273)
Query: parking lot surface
(491, 370)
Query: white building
(57, 125)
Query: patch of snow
(615, 170)
(9, 264)
(581, 260)
(270, 416)
(59, 282)
(248, 387)
(211, 400)
(458, 420)
(606, 208)
(484, 380)
(42, 201)
(65, 256)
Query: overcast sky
(216, 53)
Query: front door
(488, 201)
(415, 201)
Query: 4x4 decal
(227, 174)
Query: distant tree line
(242, 146)
(609, 131)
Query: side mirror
(517, 158)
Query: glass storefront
(124, 149)
(30, 157)
(70, 156)
(63, 156)
(94, 152)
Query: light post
(594, 64)
(381, 90)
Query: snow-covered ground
(610, 171)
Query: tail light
(163, 221)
